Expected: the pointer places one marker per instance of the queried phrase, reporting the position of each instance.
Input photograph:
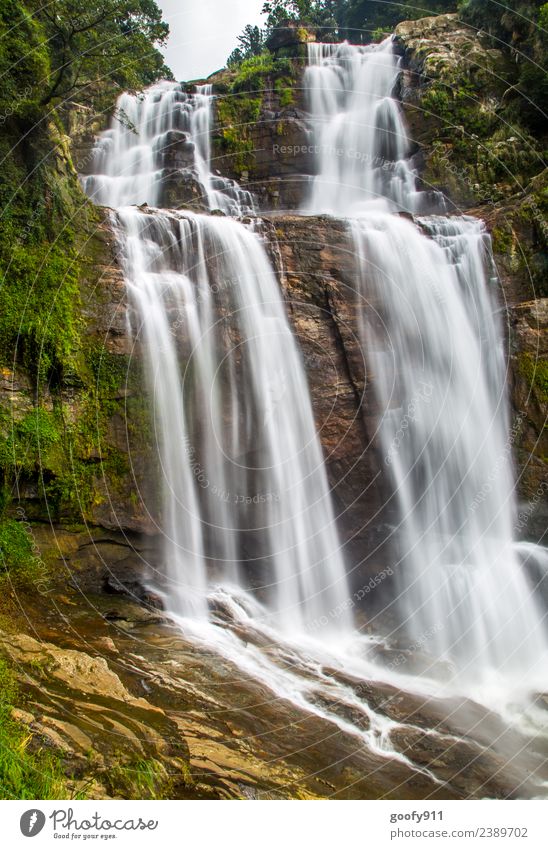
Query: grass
(142, 778)
(16, 554)
(26, 771)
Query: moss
(16, 549)
(284, 88)
(235, 114)
(40, 313)
(240, 102)
(535, 372)
(251, 72)
(139, 778)
(63, 449)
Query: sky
(204, 32)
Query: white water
(361, 146)
(132, 158)
(434, 346)
(435, 351)
(238, 448)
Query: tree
(251, 43)
(318, 12)
(361, 18)
(105, 41)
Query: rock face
(318, 280)
(260, 135)
(519, 241)
(81, 451)
(453, 91)
(317, 276)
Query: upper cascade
(362, 152)
(150, 133)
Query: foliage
(356, 20)
(39, 300)
(140, 778)
(535, 372)
(24, 62)
(51, 53)
(102, 41)
(240, 106)
(360, 18)
(235, 114)
(319, 12)
(250, 43)
(519, 28)
(27, 771)
(16, 550)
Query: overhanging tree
(106, 41)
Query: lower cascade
(432, 334)
(252, 558)
(239, 455)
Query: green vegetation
(520, 29)
(535, 372)
(250, 43)
(27, 770)
(240, 106)
(359, 21)
(103, 43)
(140, 778)
(50, 57)
(16, 549)
(235, 114)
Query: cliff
(78, 448)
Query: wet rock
(83, 711)
(473, 772)
(348, 713)
(129, 582)
(290, 36)
(182, 189)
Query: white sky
(203, 33)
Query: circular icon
(32, 822)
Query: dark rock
(289, 38)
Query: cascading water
(239, 454)
(361, 147)
(435, 350)
(437, 360)
(132, 157)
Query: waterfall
(252, 560)
(153, 135)
(435, 351)
(360, 144)
(433, 341)
(246, 501)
